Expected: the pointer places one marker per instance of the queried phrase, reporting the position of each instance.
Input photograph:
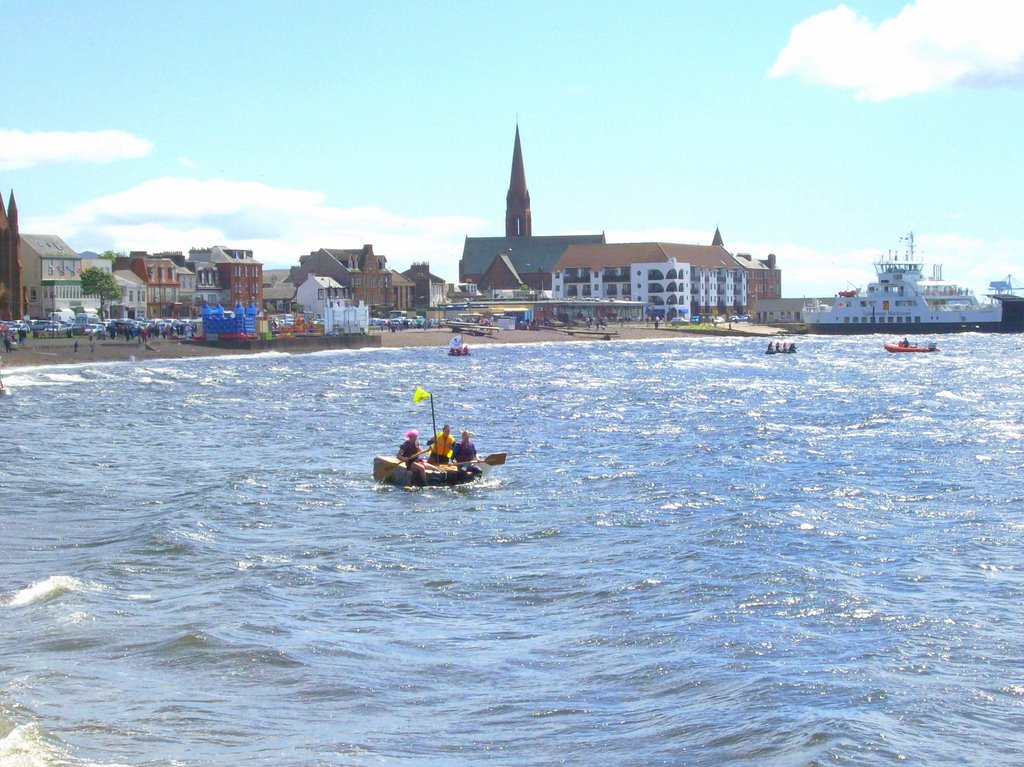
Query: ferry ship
(901, 300)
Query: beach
(75, 351)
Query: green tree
(110, 255)
(96, 282)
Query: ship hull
(904, 328)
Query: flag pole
(433, 420)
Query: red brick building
(364, 274)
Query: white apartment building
(669, 279)
(133, 296)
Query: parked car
(695, 318)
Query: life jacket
(442, 447)
(464, 452)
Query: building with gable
(229, 276)
(132, 304)
(51, 276)
(160, 275)
(495, 263)
(13, 296)
(364, 275)
(429, 290)
(669, 279)
(278, 291)
(764, 279)
(316, 292)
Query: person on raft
(409, 451)
(464, 454)
(441, 445)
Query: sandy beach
(65, 351)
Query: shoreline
(39, 352)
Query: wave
(32, 746)
(29, 744)
(50, 588)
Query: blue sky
(816, 131)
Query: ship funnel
(937, 272)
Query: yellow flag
(420, 394)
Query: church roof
(528, 255)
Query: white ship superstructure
(901, 300)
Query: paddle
(401, 461)
(494, 459)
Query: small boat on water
(456, 348)
(906, 346)
(392, 471)
(784, 349)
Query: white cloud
(27, 150)
(278, 225)
(931, 44)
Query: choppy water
(695, 555)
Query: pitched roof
(398, 279)
(504, 263)
(323, 282)
(749, 262)
(127, 275)
(527, 254)
(624, 254)
(48, 245)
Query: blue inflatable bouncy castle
(217, 323)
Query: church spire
(717, 242)
(518, 220)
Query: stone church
(519, 258)
(13, 303)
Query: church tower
(518, 220)
(11, 299)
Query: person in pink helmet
(410, 451)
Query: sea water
(696, 554)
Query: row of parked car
(38, 328)
(61, 328)
(718, 319)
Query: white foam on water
(28, 746)
(49, 588)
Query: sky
(817, 131)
